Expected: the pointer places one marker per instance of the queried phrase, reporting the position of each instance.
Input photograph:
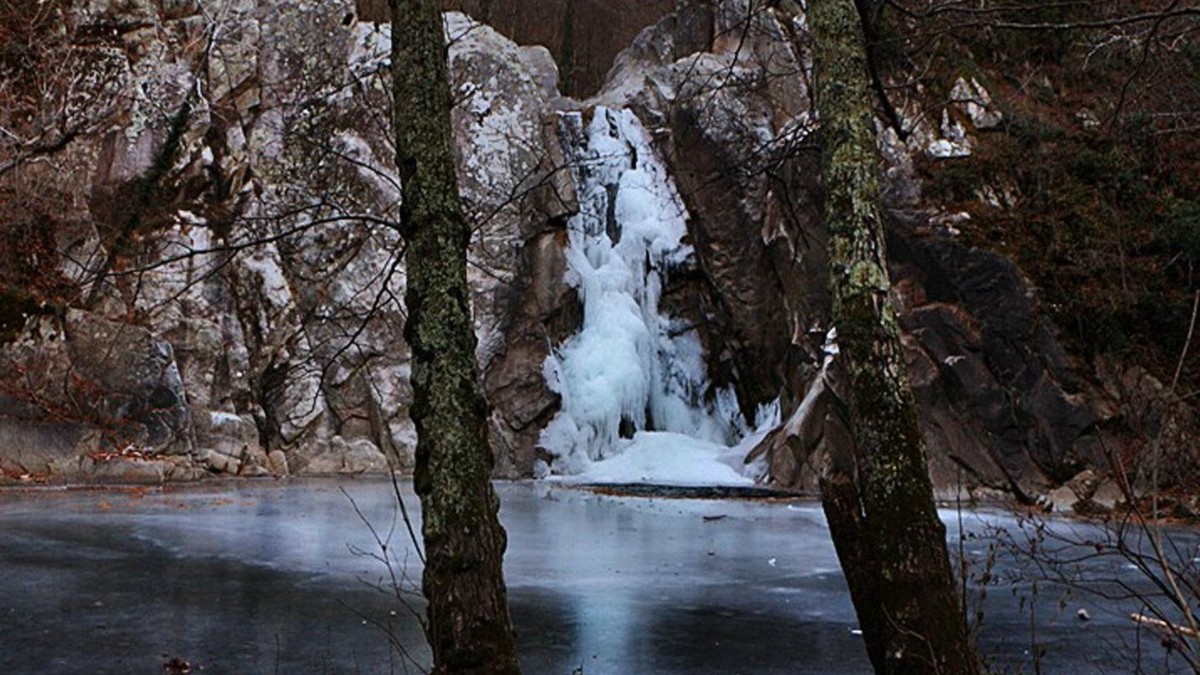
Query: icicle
(630, 368)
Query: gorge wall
(201, 273)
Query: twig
(1172, 628)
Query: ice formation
(631, 370)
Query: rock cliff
(202, 273)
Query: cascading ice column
(629, 368)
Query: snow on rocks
(955, 141)
(976, 103)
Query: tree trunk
(880, 504)
(467, 619)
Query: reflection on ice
(263, 578)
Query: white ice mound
(630, 368)
(665, 458)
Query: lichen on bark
(880, 502)
(468, 624)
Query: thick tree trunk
(468, 622)
(879, 505)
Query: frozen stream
(261, 578)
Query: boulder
(113, 376)
(341, 457)
(44, 449)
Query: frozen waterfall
(636, 400)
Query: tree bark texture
(879, 505)
(468, 623)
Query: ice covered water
(631, 368)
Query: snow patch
(956, 142)
(665, 458)
(222, 417)
(370, 48)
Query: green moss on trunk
(468, 622)
(883, 520)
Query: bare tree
(879, 503)
(468, 623)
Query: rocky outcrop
(201, 272)
(82, 391)
(117, 376)
(1002, 401)
(728, 99)
(1002, 405)
(227, 270)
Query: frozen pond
(270, 578)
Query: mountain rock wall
(203, 276)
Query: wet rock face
(545, 312)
